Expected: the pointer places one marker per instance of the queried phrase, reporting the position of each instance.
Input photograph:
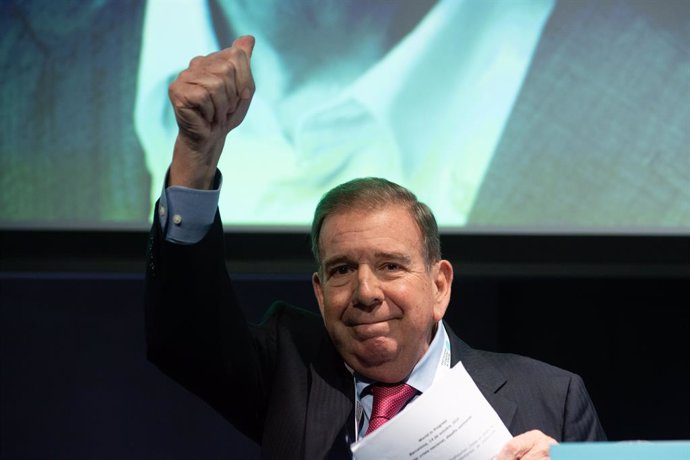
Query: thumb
(245, 43)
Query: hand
(533, 445)
(210, 98)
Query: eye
(340, 270)
(391, 266)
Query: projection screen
(541, 116)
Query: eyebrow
(394, 256)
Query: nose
(368, 292)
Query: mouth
(364, 330)
(362, 322)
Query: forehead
(389, 228)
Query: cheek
(335, 301)
(416, 305)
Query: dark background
(74, 381)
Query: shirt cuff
(186, 214)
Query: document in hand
(450, 421)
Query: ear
(443, 280)
(318, 290)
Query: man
(292, 384)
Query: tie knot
(388, 400)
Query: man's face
(379, 300)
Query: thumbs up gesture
(210, 98)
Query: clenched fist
(210, 98)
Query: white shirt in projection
(427, 116)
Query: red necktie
(388, 400)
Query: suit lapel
(331, 393)
(330, 403)
(489, 379)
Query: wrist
(193, 169)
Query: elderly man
(292, 383)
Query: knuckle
(512, 450)
(236, 53)
(226, 68)
(172, 88)
(197, 61)
(189, 96)
(184, 76)
(176, 91)
(215, 85)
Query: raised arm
(196, 333)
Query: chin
(389, 372)
(377, 351)
(380, 361)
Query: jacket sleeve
(197, 334)
(581, 422)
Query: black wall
(74, 382)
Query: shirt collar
(424, 372)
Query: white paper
(450, 421)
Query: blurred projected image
(414, 91)
(502, 115)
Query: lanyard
(442, 368)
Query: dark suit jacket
(283, 384)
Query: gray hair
(371, 193)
